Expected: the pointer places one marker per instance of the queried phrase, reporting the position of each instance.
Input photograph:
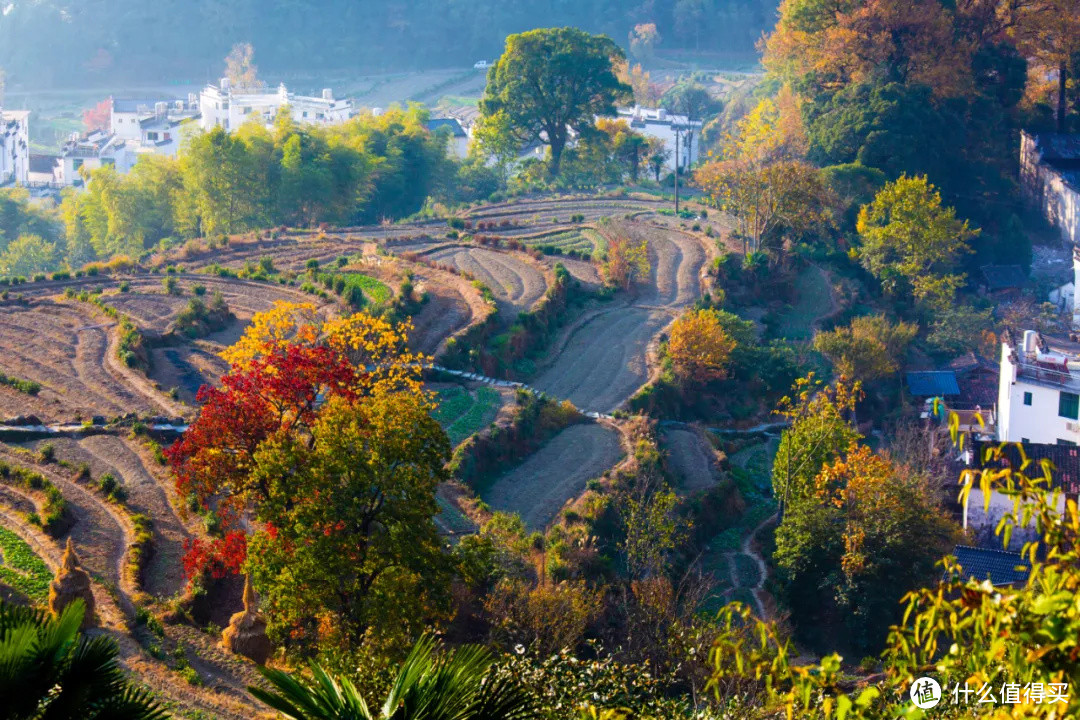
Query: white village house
(661, 124)
(14, 146)
(152, 125)
(222, 106)
(93, 150)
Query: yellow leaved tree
(372, 343)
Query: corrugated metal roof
(931, 383)
(997, 566)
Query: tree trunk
(557, 144)
(1063, 74)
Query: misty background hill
(65, 43)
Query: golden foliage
(845, 42)
(627, 257)
(699, 347)
(367, 341)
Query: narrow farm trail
(749, 549)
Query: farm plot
(539, 487)
(63, 347)
(113, 455)
(188, 367)
(21, 569)
(462, 413)
(450, 305)
(150, 311)
(578, 240)
(516, 284)
(544, 210)
(602, 360)
(96, 530)
(692, 458)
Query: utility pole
(676, 129)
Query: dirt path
(748, 548)
(539, 487)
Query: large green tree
(334, 467)
(912, 243)
(551, 81)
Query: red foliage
(221, 557)
(211, 462)
(97, 117)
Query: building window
(1069, 405)
(1066, 442)
(1027, 398)
(152, 136)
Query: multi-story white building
(221, 106)
(1039, 389)
(152, 125)
(14, 146)
(91, 151)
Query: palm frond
(323, 698)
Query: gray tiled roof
(998, 566)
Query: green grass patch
(585, 240)
(375, 290)
(461, 413)
(22, 569)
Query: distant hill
(63, 43)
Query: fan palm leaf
(430, 685)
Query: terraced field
(463, 412)
(692, 458)
(65, 347)
(558, 472)
(69, 348)
(516, 283)
(602, 360)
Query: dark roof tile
(998, 566)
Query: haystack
(71, 582)
(246, 634)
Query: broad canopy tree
(319, 459)
(551, 81)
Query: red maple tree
(273, 395)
